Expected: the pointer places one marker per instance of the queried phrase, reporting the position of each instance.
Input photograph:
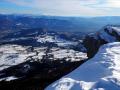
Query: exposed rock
(92, 42)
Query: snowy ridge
(114, 28)
(108, 33)
(102, 72)
(107, 37)
(94, 41)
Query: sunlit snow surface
(12, 55)
(9, 78)
(102, 72)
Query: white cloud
(108, 4)
(71, 7)
(113, 3)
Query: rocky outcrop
(92, 42)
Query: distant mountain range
(56, 23)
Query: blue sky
(61, 7)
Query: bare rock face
(93, 41)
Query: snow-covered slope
(13, 55)
(108, 33)
(102, 72)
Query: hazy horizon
(38, 15)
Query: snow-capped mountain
(102, 72)
(109, 33)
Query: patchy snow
(93, 35)
(66, 43)
(55, 39)
(9, 78)
(15, 54)
(18, 24)
(102, 72)
(108, 33)
(114, 28)
(69, 54)
(46, 38)
(107, 37)
(12, 55)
